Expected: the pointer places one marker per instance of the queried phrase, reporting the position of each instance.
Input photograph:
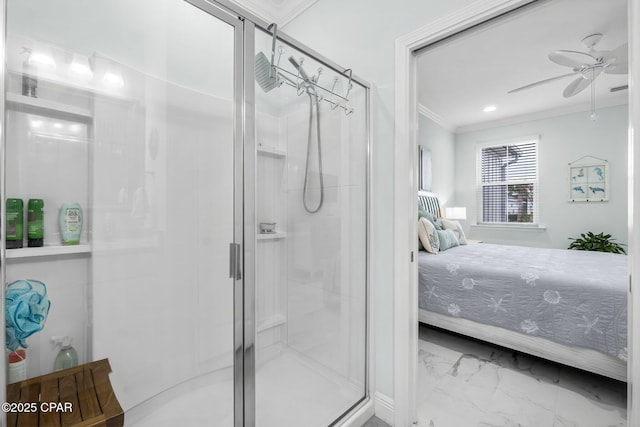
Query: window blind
(508, 184)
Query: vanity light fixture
(489, 108)
(113, 78)
(41, 59)
(80, 66)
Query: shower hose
(312, 96)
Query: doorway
(406, 170)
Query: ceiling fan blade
(581, 83)
(572, 58)
(576, 86)
(542, 82)
(618, 60)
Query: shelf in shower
(48, 107)
(271, 236)
(271, 151)
(47, 251)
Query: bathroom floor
(463, 383)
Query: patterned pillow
(431, 217)
(428, 236)
(448, 224)
(447, 239)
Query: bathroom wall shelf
(48, 107)
(271, 236)
(45, 251)
(271, 151)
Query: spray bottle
(17, 366)
(67, 356)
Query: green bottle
(14, 223)
(35, 223)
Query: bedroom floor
(463, 382)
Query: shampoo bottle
(67, 356)
(70, 223)
(35, 223)
(14, 223)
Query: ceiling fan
(587, 65)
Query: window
(508, 182)
(424, 169)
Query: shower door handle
(234, 261)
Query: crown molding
(282, 12)
(434, 117)
(579, 108)
(289, 13)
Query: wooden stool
(81, 396)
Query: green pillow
(447, 239)
(431, 217)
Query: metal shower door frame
(242, 269)
(245, 25)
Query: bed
(562, 305)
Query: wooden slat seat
(81, 397)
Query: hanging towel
(26, 310)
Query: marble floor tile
(464, 382)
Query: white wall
(563, 139)
(360, 34)
(442, 144)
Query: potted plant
(596, 242)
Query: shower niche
(49, 126)
(271, 233)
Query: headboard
(429, 202)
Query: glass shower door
(311, 251)
(131, 109)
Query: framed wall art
(589, 182)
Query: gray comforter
(575, 298)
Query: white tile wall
(325, 269)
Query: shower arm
(273, 46)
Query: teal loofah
(26, 310)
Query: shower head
(265, 74)
(303, 74)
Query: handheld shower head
(303, 74)
(265, 76)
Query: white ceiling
(459, 77)
(278, 11)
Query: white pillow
(448, 224)
(428, 236)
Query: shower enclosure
(222, 170)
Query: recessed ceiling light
(489, 108)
